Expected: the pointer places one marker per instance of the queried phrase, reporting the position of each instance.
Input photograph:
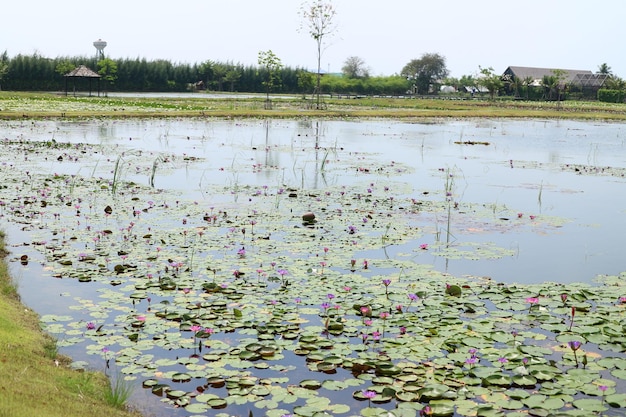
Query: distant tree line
(38, 73)
(423, 76)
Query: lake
(511, 202)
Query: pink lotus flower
(369, 394)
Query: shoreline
(34, 379)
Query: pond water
(569, 170)
(504, 201)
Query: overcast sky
(565, 34)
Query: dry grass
(31, 382)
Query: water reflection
(565, 169)
(570, 171)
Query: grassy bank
(42, 105)
(33, 378)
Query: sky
(386, 35)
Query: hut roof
(82, 71)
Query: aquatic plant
(162, 277)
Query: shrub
(611, 96)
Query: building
(582, 81)
(537, 74)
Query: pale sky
(565, 34)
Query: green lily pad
(589, 405)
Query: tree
(205, 72)
(452, 82)
(604, 69)
(559, 84)
(554, 84)
(548, 82)
(490, 80)
(517, 84)
(232, 76)
(468, 82)
(305, 81)
(425, 71)
(528, 82)
(354, 67)
(64, 67)
(614, 83)
(107, 68)
(219, 72)
(272, 66)
(4, 67)
(318, 17)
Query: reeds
(118, 393)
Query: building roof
(82, 71)
(590, 80)
(537, 74)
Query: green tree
(205, 72)
(548, 82)
(528, 83)
(614, 83)
(553, 85)
(318, 18)
(272, 65)
(517, 84)
(219, 72)
(4, 67)
(559, 84)
(604, 69)
(426, 71)
(468, 81)
(305, 81)
(64, 67)
(355, 67)
(490, 80)
(107, 68)
(231, 77)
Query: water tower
(100, 45)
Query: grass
(17, 105)
(119, 392)
(34, 380)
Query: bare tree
(355, 67)
(318, 17)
